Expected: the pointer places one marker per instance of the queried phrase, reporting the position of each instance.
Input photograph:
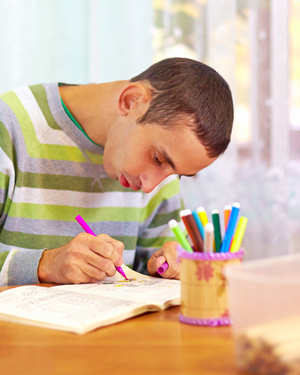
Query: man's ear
(132, 95)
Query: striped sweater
(51, 172)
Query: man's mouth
(123, 181)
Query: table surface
(153, 343)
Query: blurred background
(253, 44)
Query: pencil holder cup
(204, 295)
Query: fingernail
(120, 262)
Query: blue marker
(230, 228)
(199, 224)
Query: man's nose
(149, 182)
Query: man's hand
(85, 259)
(167, 253)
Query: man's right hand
(85, 259)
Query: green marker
(180, 236)
(216, 222)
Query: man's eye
(157, 161)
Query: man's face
(141, 156)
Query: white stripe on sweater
(4, 270)
(7, 168)
(84, 199)
(45, 134)
(76, 198)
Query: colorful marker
(230, 228)
(208, 238)
(227, 212)
(218, 237)
(204, 220)
(161, 269)
(87, 229)
(202, 215)
(174, 226)
(192, 228)
(199, 224)
(239, 233)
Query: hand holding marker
(87, 229)
(174, 226)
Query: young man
(109, 152)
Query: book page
(138, 287)
(59, 308)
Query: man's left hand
(169, 254)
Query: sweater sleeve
(159, 207)
(17, 266)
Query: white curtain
(77, 41)
(252, 43)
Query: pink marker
(87, 229)
(161, 269)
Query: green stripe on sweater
(7, 205)
(162, 219)
(6, 143)
(35, 149)
(37, 241)
(3, 257)
(4, 181)
(154, 242)
(166, 192)
(64, 182)
(40, 96)
(67, 213)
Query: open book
(84, 307)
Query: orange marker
(227, 212)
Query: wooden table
(151, 344)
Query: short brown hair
(184, 88)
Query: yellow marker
(239, 233)
(202, 216)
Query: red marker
(192, 228)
